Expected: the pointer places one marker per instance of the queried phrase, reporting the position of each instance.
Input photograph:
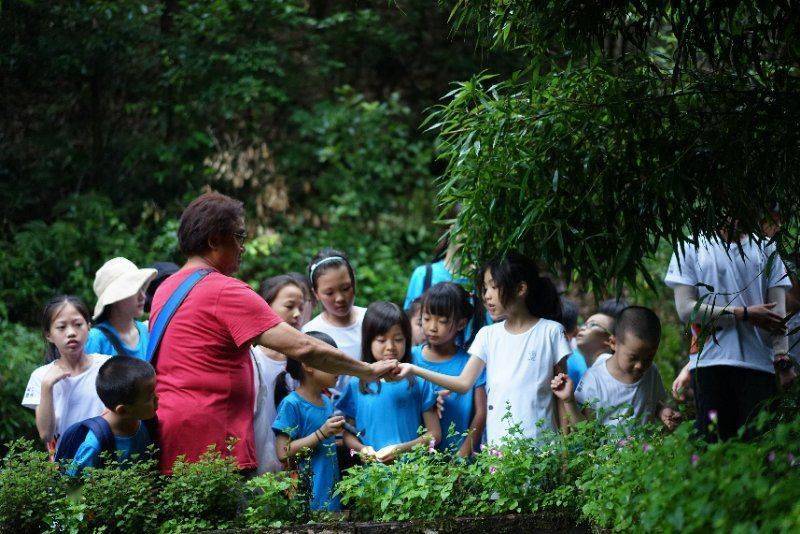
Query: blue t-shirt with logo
(299, 418)
(98, 342)
(391, 413)
(459, 408)
(576, 366)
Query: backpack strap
(170, 307)
(102, 430)
(114, 340)
(426, 283)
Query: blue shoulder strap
(102, 430)
(170, 307)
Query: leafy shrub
(203, 494)
(115, 499)
(30, 489)
(22, 353)
(676, 484)
(273, 501)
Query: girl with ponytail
(521, 353)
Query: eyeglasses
(592, 324)
(240, 237)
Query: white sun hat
(118, 279)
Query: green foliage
(205, 494)
(67, 253)
(119, 497)
(274, 501)
(676, 484)
(30, 489)
(519, 476)
(22, 353)
(622, 131)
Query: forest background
(321, 116)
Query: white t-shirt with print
(266, 371)
(617, 402)
(74, 398)
(736, 281)
(519, 368)
(347, 338)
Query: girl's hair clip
(324, 261)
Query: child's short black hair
(612, 307)
(639, 321)
(569, 315)
(378, 319)
(118, 380)
(447, 299)
(414, 307)
(294, 369)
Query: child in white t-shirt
(626, 386)
(334, 284)
(520, 354)
(287, 298)
(62, 392)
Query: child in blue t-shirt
(121, 288)
(446, 309)
(387, 415)
(127, 387)
(306, 421)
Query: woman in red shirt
(204, 374)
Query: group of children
(457, 389)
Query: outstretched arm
(318, 354)
(460, 384)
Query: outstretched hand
(381, 369)
(562, 387)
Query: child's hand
(440, 395)
(332, 426)
(682, 386)
(671, 418)
(381, 369)
(386, 454)
(55, 375)
(562, 387)
(403, 371)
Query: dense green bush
(30, 489)
(645, 481)
(22, 353)
(202, 495)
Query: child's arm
(460, 384)
(286, 447)
(569, 413)
(477, 424)
(45, 412)
(434, 434)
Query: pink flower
(712, 416)
(352, 452)
(771, 456)
(483, 446)
(622, 443)
(498, 453)
(646, 447)
(492, 470)
(695, 459)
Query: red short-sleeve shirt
(204, 376)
